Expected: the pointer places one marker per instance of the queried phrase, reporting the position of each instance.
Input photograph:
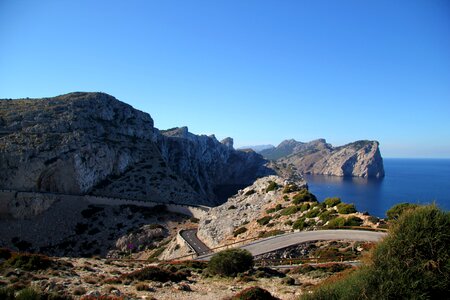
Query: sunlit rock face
(359, 159)
(92, 143)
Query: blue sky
(258, 71)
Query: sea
(421, 181)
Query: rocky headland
(358, 159)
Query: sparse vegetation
(290, 188)
(289, 210)
(266, 234)
(249, 192)
(154, 273)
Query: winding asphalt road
(289, 239)
(190, 236)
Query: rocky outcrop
(91, 143)
(243, 208)
(208, 165)
(358, 159)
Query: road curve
(190, 236)
(285, 240)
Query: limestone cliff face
(91, 143)
(207, 164)
(359, 159)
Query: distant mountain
(359, 159)
(257, 148)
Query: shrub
(373, 219)
(272, 186)
(337, 222)
(288, 222)
(232, 207)
(330, 202)
(239, 231)
(194, 220)
(345, 209)
(353, 221)
(288, 281)
(327, 215)
(286, 198)
(154, 273)
(278, 207)
(253, 293)
(304, 196)
(270, 210)
(412, 262)
(6, 293)
(264, 220)
(289, 210)
(28, 294)
(230, 262)
(395, 211)
(312, 213)
(304, 207)
(299, 224)
(290, 188)
(29, 262)
(265, 272)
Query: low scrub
(272, 186)
(28, 262)
(290, 210)
(266, 234)
(253, 293)
(412, 262)
(230, 262)
(264, 220)
(345, 209)
(239, 231)
(330, 202)
(290, 188)
(303, 196)
(397, 210)
(154, 273)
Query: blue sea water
(407, 180)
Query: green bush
(154, 273)
(327, 215)
(353, 221)
(303, 196)
(345, 209)
(230, 262)
(337, 222)
(304, 207)
(330, 202)
(28, 294)
(299, 224)
(286, 198)
(253, 293)
(312, 213)
(289, 210)
(395, 211)
(412, 262)
(290, 188)
(239, 231)
(288, 222)
(272, 186)
(270, 210)
(264, 220)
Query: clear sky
(258, 71)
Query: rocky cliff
(211, 167)
(83, 143)
(359, 159)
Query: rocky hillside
(83, 143)
(359, 159)
(273, 206)
(210, 166)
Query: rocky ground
(82, 277)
